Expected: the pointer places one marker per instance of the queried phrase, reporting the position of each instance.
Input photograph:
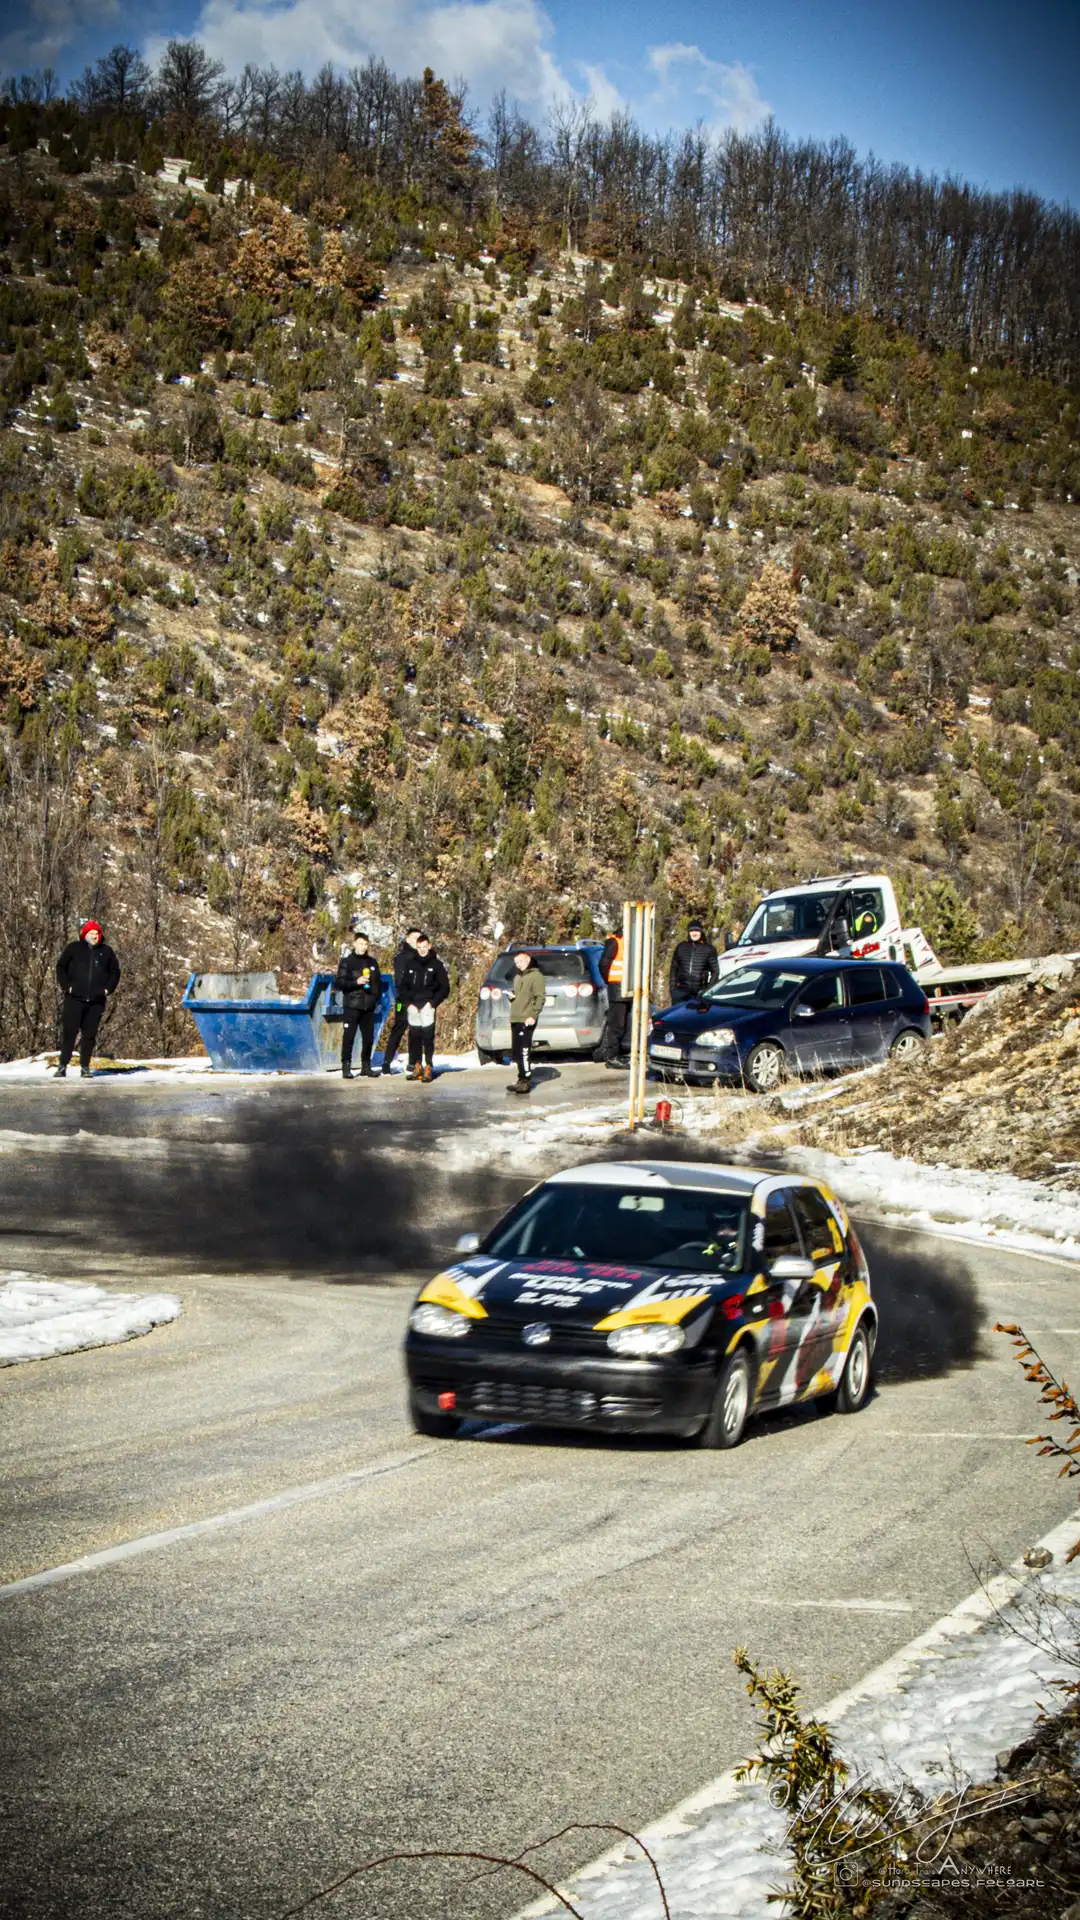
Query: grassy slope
(548, 701)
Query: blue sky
(984, 89)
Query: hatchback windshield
(687, 1231)
(553, 966)
(758, 986)
(791, 916)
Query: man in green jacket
(526, 1006)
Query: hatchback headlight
(716, 1037)
(440, 1321)
(646, 1341)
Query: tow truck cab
(855, 910)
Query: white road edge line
(215, 1523)
(964, 1618)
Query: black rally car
(647, 1297)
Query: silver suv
(573, 1017)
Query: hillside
(375, 557)
(1001, 1090)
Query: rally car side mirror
(467, 1243)
(791, 1266)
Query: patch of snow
(990, 1208)
(40, 1318)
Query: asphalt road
(463, 1645)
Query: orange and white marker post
(639, 927)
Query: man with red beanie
(88, 971)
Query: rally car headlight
(647, 1341)
(440, 1321)
(716, 1037)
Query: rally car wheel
(485, 1055)
(907, 1044)
(855, 1379)
(434, 1426)
(730, 1409)
(765, 1067)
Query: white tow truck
(857, 914)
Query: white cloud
(604, 96)
(729, 89)
(48, 29)
(488, 43)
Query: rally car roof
(660, 1173)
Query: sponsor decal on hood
(604, 1296)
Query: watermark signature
(891, 1844)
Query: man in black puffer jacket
(425, 984)
(694, 965)
(400, 1024)
(359, 981)
(87, 971)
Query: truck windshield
(688, 1231)
(787, 916)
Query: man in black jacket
(87, 971)
(359, 980)
(425, 984)
(401, 1019)
(694, 965)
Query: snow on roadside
(989, 1208)
(41, 1318)
(41, 1066)
(936, 1716)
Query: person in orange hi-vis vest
(613, 972)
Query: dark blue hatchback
(798, 1016)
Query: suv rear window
(554, 965)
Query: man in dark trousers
(694, 965)
(400, 1025)
(359, 979)
(613, 973)
(88, 971)
(526, 1006)
(425, 984)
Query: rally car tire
(730, 1410)
(855, 1379)
(907, 1044)
(765, 1067)
(486, 1055)
(433, 1426)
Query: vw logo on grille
(669, 1037)
(536, 1334)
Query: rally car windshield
(793, 916)
(687, 1231)
(758, 987)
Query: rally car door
(826, 1297)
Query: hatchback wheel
(730, 1409)
(486, 1055)
(765, 1067)
(907, 1044)
(855, 1379)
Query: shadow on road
(299, 1184)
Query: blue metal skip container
(247, 1026)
